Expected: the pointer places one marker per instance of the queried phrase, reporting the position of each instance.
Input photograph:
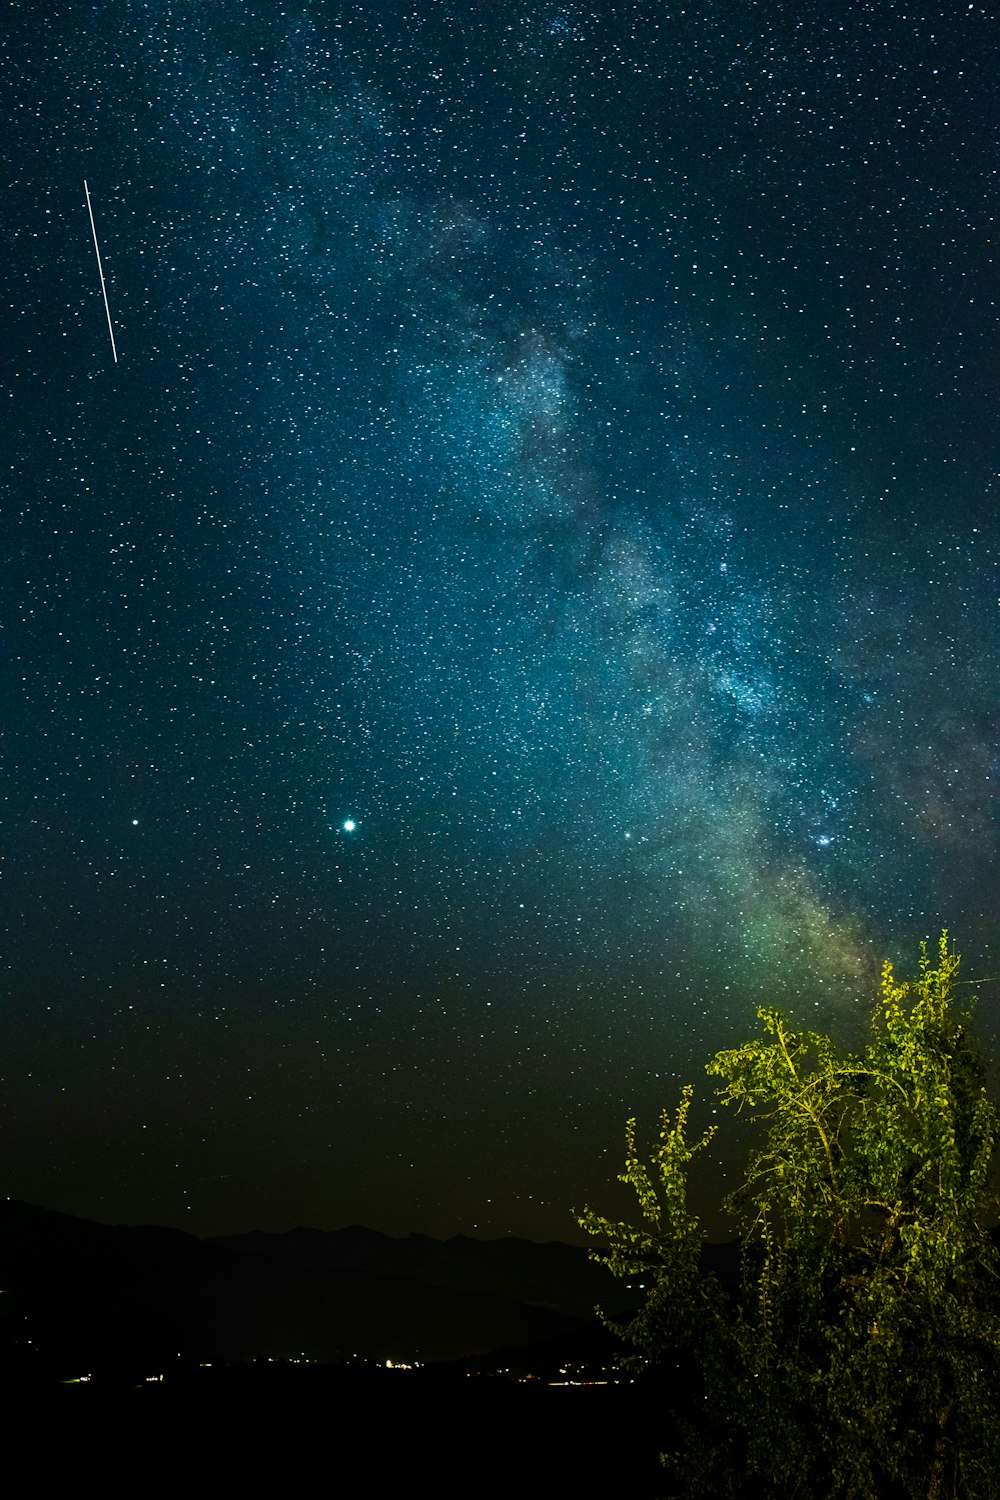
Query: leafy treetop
(862, 1350)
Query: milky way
(525, 595)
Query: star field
(525, 595)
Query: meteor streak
(100, 270)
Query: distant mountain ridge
(555, 1276)
(324, 1296)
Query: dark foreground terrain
(263, 1425)
(149, 1359)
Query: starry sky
(524, 594)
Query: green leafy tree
(861, 1357)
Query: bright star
(348, 825)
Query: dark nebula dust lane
(524, 594)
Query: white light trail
(100, 270)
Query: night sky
(525, 594)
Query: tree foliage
(861, 1357)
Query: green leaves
(668, 1245)
(866, 1338)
